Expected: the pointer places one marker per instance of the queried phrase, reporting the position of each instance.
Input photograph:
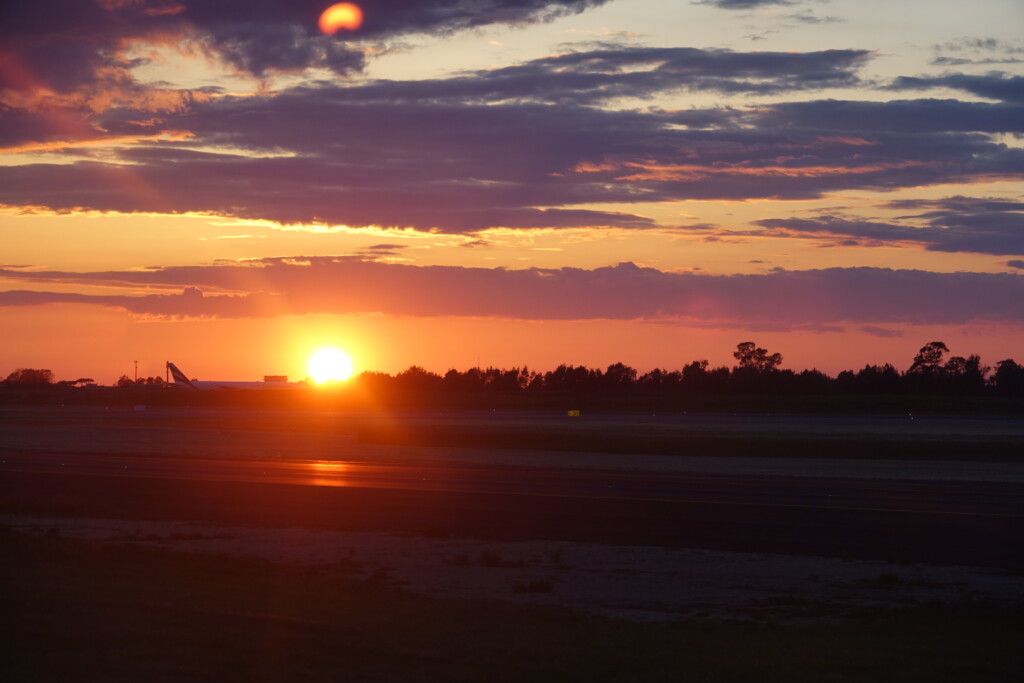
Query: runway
(970, 523)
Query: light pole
(136, 372)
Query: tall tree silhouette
(929, 359)
(752, 358)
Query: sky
(508, 182)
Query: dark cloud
(380, 251)
(881, 332)
(349, 155)
(618, 71)
(898, 116)
(957, 224)
(259, 49)
(958, 203)
(1016, 264)
(80, 48)
(780, 299)
(965, 51)
(743, 4)
(521, 147)
(995, 85)
(597, 75)
(808, 17)
(258, 35)
(477, 151)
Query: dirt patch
(635, 583)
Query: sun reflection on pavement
(328, 473)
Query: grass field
(87, 610)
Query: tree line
(756, 372)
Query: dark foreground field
(85, 610)
(131, 608)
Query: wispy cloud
(972, 50)
(955, 224)
(744, 4)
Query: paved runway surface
(972, 523)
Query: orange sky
(225, 186)
(88, 341)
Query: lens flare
(343, 15)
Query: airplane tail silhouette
(179, 377)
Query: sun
(328, 365)
(343, 15)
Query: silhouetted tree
(811, 381)
(469, 381)
(504, 381)
(374, 382)
(752, 358)
(697, 379)
(75, 382)
(659, 380)
(929, 359)
(30, 376)
(756, 371)
(125, 381)
(417, 380)
(965, 375)
(871, 379)
(619, 377)
(572, 379)
(1009, 378)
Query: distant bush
(30, 377)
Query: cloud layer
(812, 299)
(501, 149)
(531, 145)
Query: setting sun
(327, 365)
(343, 15)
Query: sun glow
(343, 15)
(329, 365)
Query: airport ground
(174, 544)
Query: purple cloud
(68, 45)
(995, 85)
(526, 146)
(881, 332)
(966, 51)
(743, 4)
(920, 117)
(956, 224)
(619, 71)
(780, 299)
(352, 156)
